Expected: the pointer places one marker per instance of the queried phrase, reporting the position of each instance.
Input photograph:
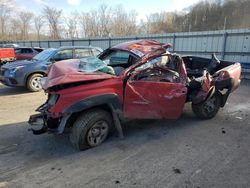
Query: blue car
(29, 73)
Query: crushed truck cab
(147, 82)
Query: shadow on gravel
(16, 137)
(7, 91)
(21, 150)
(155, 128)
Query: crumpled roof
(141, 47)
(67, 71)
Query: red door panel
(24, 56)
(154, 100)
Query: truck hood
(67, 71)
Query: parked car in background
(28, 53)
(10, 46)
(29, 73)
(6, 55)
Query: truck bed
(195, 65)
(223, 73)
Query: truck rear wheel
(90, 129)
(33, 82)
(208, 108)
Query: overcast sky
(142, 7)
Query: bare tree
(53, 16)
(89, 24)
(5, 12)
(104, 19)
(25, 19)
(15, 28)
(155, 23)
(160, 23)
(38, 22)
(123, 23)
(72, 21)
(84, 17)
(96, 22)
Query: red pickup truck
(7, 55)
(141, 80)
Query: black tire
(207, 109)
(33, 82)
(90, 129)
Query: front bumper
(46, 123)
(9, 81)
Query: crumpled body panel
(141, 47)
(65, 72)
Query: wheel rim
(97, 133)
(36, 83)
(209, 105)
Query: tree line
(108, 21)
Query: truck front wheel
(90, 129)
(208, 108)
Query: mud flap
(224, 84)
(117, 123)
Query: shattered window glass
(158, 61)
(161, 61)
(94, 64)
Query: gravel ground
(187, 152)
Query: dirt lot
(184, 153)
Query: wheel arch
(107, 102)
(72, 118)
